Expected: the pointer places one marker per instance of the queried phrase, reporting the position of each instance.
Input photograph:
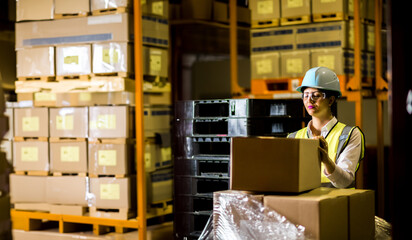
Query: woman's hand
(324, 156)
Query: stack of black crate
(203, 132)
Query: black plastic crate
(201, 186)
(202, 147)
(202, 167)
(190, 225)
(193, 203)
(239, 108)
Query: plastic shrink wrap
(240, 215)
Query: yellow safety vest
(337, 139)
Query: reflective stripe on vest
(337, 139)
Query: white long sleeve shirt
(346, 164)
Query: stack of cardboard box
(284, 175)
(75, 112)
(326, 39)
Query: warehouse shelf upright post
(141, 179)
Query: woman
(341, 147)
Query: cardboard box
(323, 216)
(36, 62)
(31, 122)
(196, 9)
(265, 65)
(274, 164)
(273, 39)
(157, 118)
(221, 13)
(27, 189)
(72, 7)
(344, 7)
(113, 192)
(262, 10)
(111, 158)
(328, 34)
(340, 60)
(69, 122)
(110, 27)
(111, 122)
(294, 63)
(70, 190)
(295, 8)
(73, 60)
(109, 4)
(34, 10)
(155, 62)
(160, 186)
(9, 113)
(68, 156)
(112, 57)
(156, 7)
(155, 31)
(80, 99)
(31, 156)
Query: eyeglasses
(313, 95)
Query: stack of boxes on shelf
(309, 34)
(204, 129)
(276, 183)
(74, 136)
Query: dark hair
(334, 106)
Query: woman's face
(316, 103)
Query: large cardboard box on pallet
(27, 189)
(157, 118)
(67, 190)
(36, 62)
(328, 34)
(273, 39)
(159, 185)
(274, 164)
(342, 8)
(111, 27)
(74, 60)
(34, 10)
(155, 62)
(111, 122)
(328, 213)
(113, 57)
(155, 31)
(265, 65)
(68, 8)
(295, 8)
(69, 122)
(68, 156)
(109, 4)
(294, 63)
(264, 10)
(31, 155)
(111, 157)
(31, 122)
(156, 7)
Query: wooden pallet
(29, 221)
(70, 15)
(111, 11)
(114, 74)
(59, 174)
(112, 213)
(99, 175)
(110, 140)
(328, 17)
(39, 78)
(84, 77)
(286, 21)
(23, 139)
(32, 172)
(66, 139)
(265, 23)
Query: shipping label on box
(36, 62)
(31, 156)
(156, 7)
(274, 164)
(27, 189)
(69, 122)
(73, 60)
(265, 9)
(155, 62)
(68, 156)
(31, 122)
